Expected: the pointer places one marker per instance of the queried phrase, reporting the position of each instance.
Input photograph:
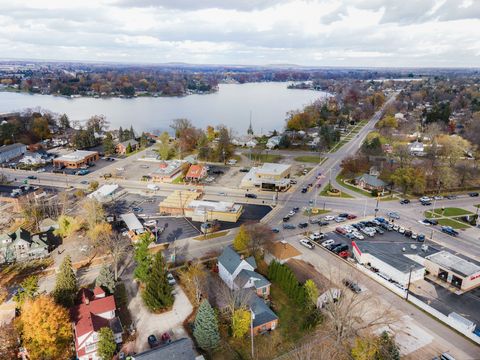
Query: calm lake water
(231, 106)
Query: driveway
(147, 323)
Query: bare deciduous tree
(229, 300)
(194, 279)
(116, 246)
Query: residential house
(94, 311)
(246, 141)
(15, 195)
(35, 158)
(9, 152)
(239, 274)
(121, 148)
(416, 148)
(22, 245)
(48, 224)
(273, 142)
(181, 349)
(281, 251)
(196, 173)
(369, 182)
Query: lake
(231, 106)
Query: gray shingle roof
(10, 147)
(245, 275)
(229, 259)
(263, 314)
(132, 142)
(181, 349)
(371, 180)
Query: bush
(374, 192)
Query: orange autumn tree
(46, 328)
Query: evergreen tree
(106, 279)
(66, 284)
(205, 328)
(129, 148)
(131, 133)
(28, 290)
(142, 258)
(121, 136)
(108, 146)
(158, 292)
(143, 140)
(106, 343)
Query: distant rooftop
(77, 155)
(168, 168)
(455, 263)
(6, 148)
(271, 168)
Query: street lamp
(409, 280)
(376, 207)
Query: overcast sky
(334, 33)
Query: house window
(264, 290)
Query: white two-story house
(94, 311)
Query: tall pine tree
(66, 284)
(205, 328)
(158, 292)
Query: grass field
(325, 191)
(453, 223)
(452, 211)
(267, 158)
(351, 187)
(309, 159)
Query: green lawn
(351, 187)
(325, 190)
(267, 158)
(309, 159)
(430, 214)
(452, 211)
(453, 223)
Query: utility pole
(252, 316)
(376, 206)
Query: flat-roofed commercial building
(168, 171)
(9, 152)
(273, 177)
(453, 269)
(201, 210)
(177, 201)
(76, 159)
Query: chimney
(242, 257)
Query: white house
(239, 273)
(416, 148)
(247, 141)
(96, 310)
(273, 142)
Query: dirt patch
(304, 271)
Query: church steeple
(250, 128)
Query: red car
(344, 254)
(351, 216)
(341, 231)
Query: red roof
(98, 292)
(195, 172)
(84, 315)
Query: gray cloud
(241, 5)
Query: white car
(291, 213)
(396, 227)
(358, 236)
(414, 236)
(307, 243)
(329, 218)
(438, 197)
(425, 199)
(339, 219)
(349, 228)
(120, 169)
(423, 222)
(41, 170)
(171, 280)
(328, 242)
(150, 223)
(401, 230)
(316, 236)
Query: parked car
(426, 203)
(323, 223)
(344, 254)
(316, 236)
(171, 280)
(329, 218)
(401, 230)
(289, 226)
(244, 170)
(358, 236)
(431, 221)
(425, 222)
(351, 216)
(414, 236)
(293, 181)
(340, 219)
(150, 223)
(152, 341)
(328, 242)
(404, 201)
(421, 238)
(450, 197)
(304, 190)
(396, 227)
(393, 215)
(32, 177)
(296, 209)
(291, 213)
(449, 230)
(307, 243)
(473, 194)
(380, 219)
(379, 230)
(408, 233)
(314, 220)
(303, 225)
(340, 230)
(251, 196)
(352, 285)
(424, 198)
(332, 247)
(137, 209)
(339, 249)
(344, 215)
(438, 197)
(275, 230)
(286, 218)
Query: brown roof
(282, 250)
(195, 172)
